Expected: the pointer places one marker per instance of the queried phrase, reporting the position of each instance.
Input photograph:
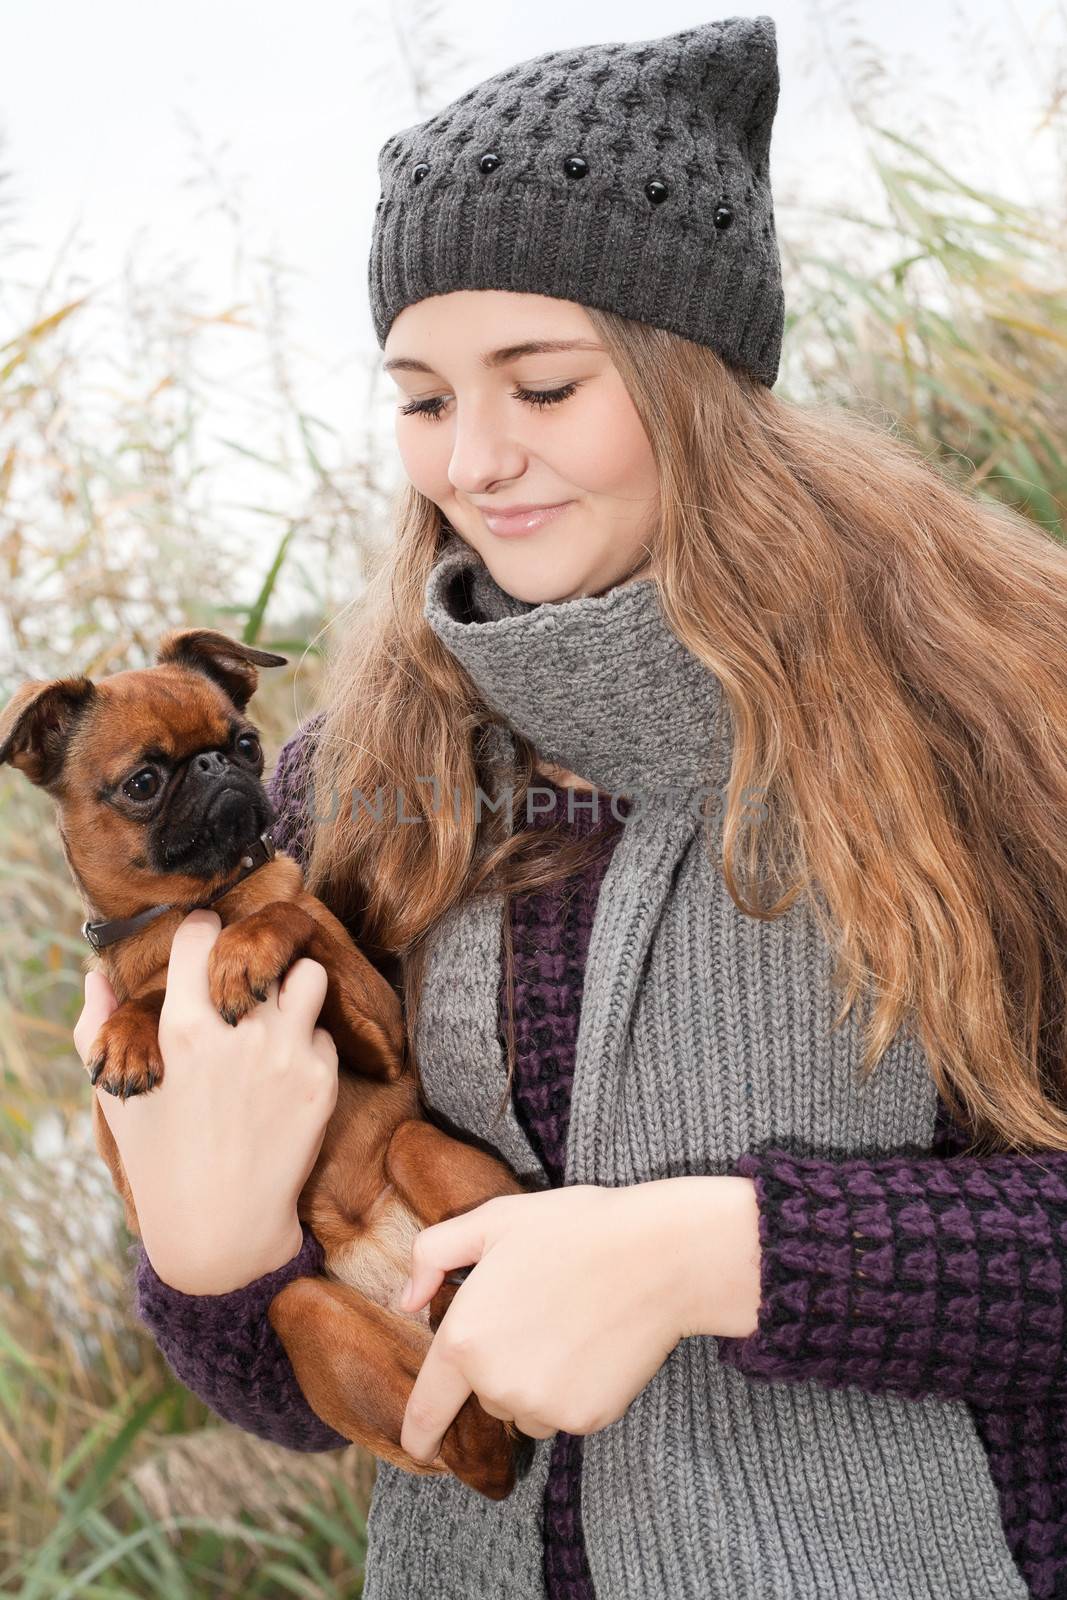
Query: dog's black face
(157, 774)
(202, 812)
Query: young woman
(719, 716)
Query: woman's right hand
(218, 1154)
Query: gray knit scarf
(703, 1033)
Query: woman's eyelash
(536, 397)
(545, 397)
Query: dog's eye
(143, 785)
(248, 746)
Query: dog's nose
(212, 763)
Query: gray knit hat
(631, 177)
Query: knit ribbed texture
(287, 790)
(633, 177)
(212, 1342)
(983, 1232)
(703, 1035)
(894, 1276)
(671, 721)
(223, 1348)
(550, 931)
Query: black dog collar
(101, 934)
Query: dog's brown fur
(383, 1172)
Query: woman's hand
(218, 1154)
(578, 1297)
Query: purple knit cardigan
(939, 1275)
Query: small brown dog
(156, 775)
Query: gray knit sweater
(703, 1034)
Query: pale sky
(113, 110)
(104, 108)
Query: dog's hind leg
(357, 1362)
(439, 1177)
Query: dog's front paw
(125, 1058)
(245, 960)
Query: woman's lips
(520, 522)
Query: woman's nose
(483, 454)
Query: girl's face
(489, 420)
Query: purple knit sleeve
(288, 790)
(940, 1274)
(222, 1347)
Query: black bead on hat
(631, 177)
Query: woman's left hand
(578, 1297)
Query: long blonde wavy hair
(894, 656)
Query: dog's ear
(36, 725)
(230, 663)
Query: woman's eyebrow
(500, 358)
